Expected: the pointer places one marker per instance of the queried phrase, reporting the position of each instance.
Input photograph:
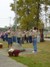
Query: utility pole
(15, 14)
(10, 21)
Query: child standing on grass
(19, 35)
(10, 40)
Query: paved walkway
(6, 61)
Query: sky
(6, 15)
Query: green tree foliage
(28, 12)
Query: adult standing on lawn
(34, 39)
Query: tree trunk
(41, 35)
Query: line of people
(19, 36)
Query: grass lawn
(40, 59)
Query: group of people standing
(19, 36)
